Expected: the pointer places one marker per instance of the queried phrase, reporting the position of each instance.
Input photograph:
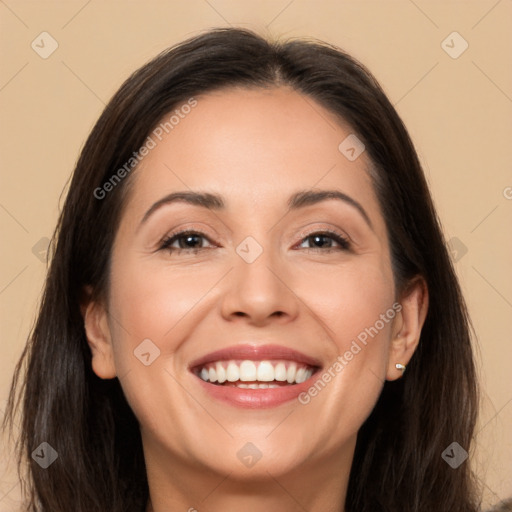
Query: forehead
(252, 145)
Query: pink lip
(256, 353)
(255, 398)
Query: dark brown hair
(100, 466)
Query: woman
(250, 304)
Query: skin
(254, 147)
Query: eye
(324, 240)
(191, 241)
(187, 241)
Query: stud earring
(401, 367)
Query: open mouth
(255, 376)
(249, 374)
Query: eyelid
(344, 242)
(328, 230)
(167, 240)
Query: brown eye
(324, 240)
(186, 240)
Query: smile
(255, 376)
(249, 374)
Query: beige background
(458, 111)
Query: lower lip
(255, 398)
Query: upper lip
(256, 353)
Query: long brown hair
(100, 466)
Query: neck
(316, 486)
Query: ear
(98, 335)
(407, 327)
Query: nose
(259, 292)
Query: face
(258, 293)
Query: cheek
(150, 308)
(151, 304)
(160, 305)
(349, 300)
(355, 307)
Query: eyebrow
(216, 202)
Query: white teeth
(290, 373)
(280, 372)
(232, 372)
(265, 372)
(221, 373)
(247, 371)
(255, 372)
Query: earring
(401, 367)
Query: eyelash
(337, 237)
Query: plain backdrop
(444, 65)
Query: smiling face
(271, 271)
